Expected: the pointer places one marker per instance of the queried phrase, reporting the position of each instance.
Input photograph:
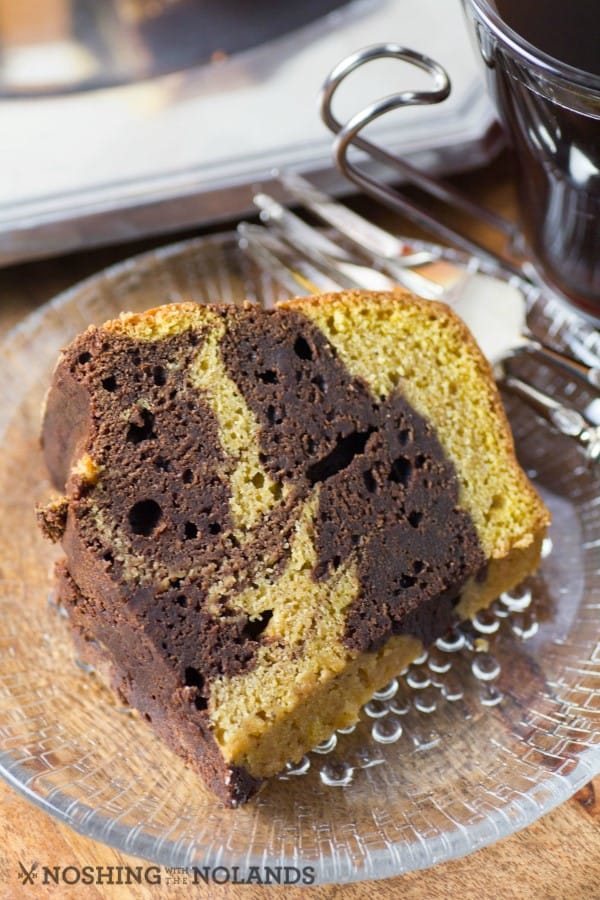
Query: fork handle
(589, 374)
(563, 418)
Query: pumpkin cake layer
(267, 513)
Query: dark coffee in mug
(543, 59)
(568, 30)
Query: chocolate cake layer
(131, 668)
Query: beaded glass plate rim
(516, 815)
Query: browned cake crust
(258, 529)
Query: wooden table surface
(557, 857)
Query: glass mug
(551, 111)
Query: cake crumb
(52, 518)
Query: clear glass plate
(488, 732)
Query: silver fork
(309, 269)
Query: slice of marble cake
(266, 514)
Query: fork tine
(361, 232)
(294, 227)
(271, 255)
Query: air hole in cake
(418, 566)
(109, 384)
(302, 348)
(187, 476)
(190, 530)
(271, 414)
(370, 483)
(415, 518)
(276, 490)
(108, 557)
(346, 449)
(268, 377)
(182, 600)
(258, 480)
(214, 528)
(84, 358)
(404, 436)
(407, 581)
(141, 429)
(162, 463)
(255, 627)
(193, 678)
(401, 471)
(420, 461)
(159, 375)
(144, 516)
